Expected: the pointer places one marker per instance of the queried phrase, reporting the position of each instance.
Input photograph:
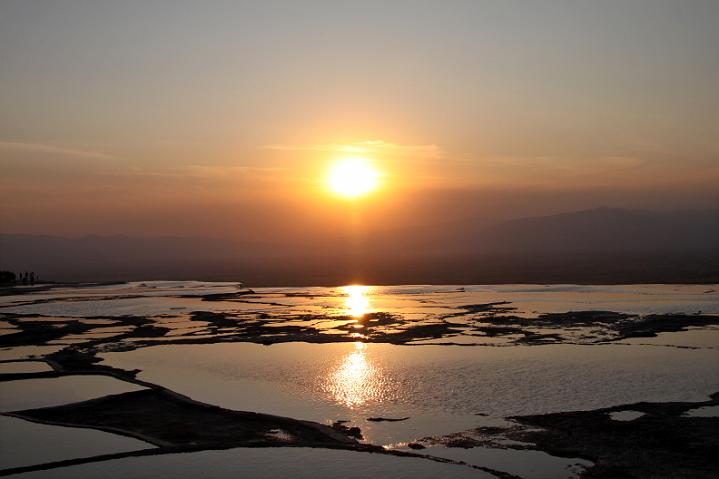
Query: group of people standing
(20, 278)
(27, 278)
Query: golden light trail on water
(356, 380)
(357, 303)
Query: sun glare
(357, 303)
(352, 177)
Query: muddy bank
(166, 419)
(629, 441)
(663, 442)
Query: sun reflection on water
(357, 302)
(356, 380)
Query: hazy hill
(598, 245)
(609, 230)
(600, 230)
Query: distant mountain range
(602, 245)
(610, 230)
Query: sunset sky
(223, 119)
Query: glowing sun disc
(352, 177)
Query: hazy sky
(220, 118)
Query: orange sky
(221, 120)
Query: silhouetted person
(32, 277)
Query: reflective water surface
(441, 388)
(23, 443)
(401, 363)
(44, 392)
(264, 463)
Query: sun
(352, 177)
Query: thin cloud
(367, 147)
(567, 165)
(192, 172)
(52, 150)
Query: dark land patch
(387, 419)
(587, 327)
(40, 332)
(662, 443)
(582, 318)
(166, 419)
(222, 296)
(351, 431)
(574, 327)
(497, 307)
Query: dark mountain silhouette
(600, 230)
(609, 230)
(602, 245)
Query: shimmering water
(161, 297)
(480, 379)
(441, 388)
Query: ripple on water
(431, 384)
